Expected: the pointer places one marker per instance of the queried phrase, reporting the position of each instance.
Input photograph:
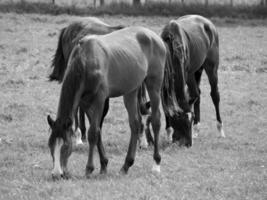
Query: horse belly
(198, 54)
(125, 78)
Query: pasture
(214, 168)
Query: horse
(193, 45)
(102, 67)
(68, 38)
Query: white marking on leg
(156, 168)
(196, 130)
(169, 134)
(78, 136)
(189, 115)
(57, 167)
(220, 129)
(143, 141)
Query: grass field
(214, 168)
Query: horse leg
(149, 137)
(211, 70)
(169, 129)
(154, 95)
(76, 129)
(100, 147)
(194, 97)
(131, 104)
(82, 124)
(94, 113)
(143, 139)
(197, 104)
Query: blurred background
(94, 3)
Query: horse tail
(58, 62)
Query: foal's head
(60, 144)
(182, 126)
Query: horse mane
(175, 89)
(168, 96)
(69, 36)
(72, 81)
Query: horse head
(182, 127)
(60, 144)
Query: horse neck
(70, 96)
(180, 86)
(181, 75)
(173, 92)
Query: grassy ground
(214, 168)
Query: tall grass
(147, 9)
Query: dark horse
(68, 38)
(101, 67)
(193, 45)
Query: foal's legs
(94, 113)
(130, 101)
(211, 70)
(153, 88)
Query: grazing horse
(102, 67)
(193, 46)
(68, 38)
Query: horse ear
(68, 123)
(50, 121)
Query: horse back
(202, 38)
(125, 57)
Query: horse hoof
(196, 130)
(103, 171)
(169, 134)
(143, 142)
(66, 175)
(220, 129)
(123, 171)
(143, 145)
(156, 168)
(56, 177)
(222, 134)
(88, 171)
